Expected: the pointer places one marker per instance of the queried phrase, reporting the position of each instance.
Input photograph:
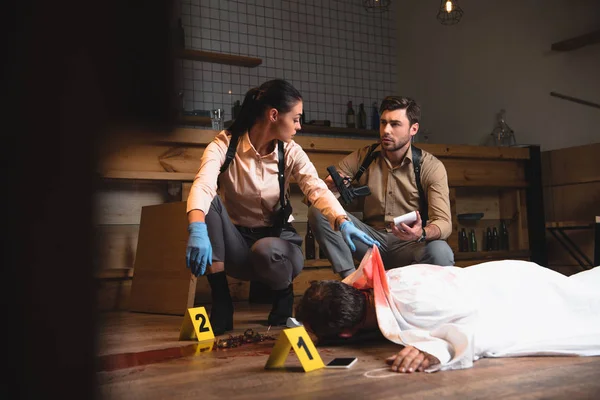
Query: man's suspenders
(424, 207)
(417, 154)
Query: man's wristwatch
(423, 236)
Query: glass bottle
(502, 135)
(350, 116)
(463, 242)
(180, 35)
(503, 235)
(495, 240)
(361, 117)
(235, 110)
(473, 241)
(374, 117)
(488, 239)
(322, 255)
(309, 243)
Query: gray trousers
(394, 252)
(251, 254)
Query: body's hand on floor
(410, 359)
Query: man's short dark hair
(413, 109)
(328, 307)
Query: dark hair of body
(329, 307)
(413, 109)
(277, 93)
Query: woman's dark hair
(413, 109)
(277, 93)
(328, 307)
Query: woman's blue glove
(199, 250)
(349, 230)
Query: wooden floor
(139, 356)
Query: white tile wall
(333, 51)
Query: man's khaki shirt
(394, 189)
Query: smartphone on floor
(343, 362)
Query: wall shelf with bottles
(500, 229)
(308, 129)
(198, 120)
(219, 58)
(332, 130)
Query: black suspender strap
(281, 176)
(371, 154)
(416, 155)
(229, 156)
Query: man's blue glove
(199, 250)
(349, 231)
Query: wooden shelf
(149, 175)
(219, 58)
(115, 274)
(205, 121)
(194, 120)
(490, 255)
(198, 120)
(577, 42)
(336, 130)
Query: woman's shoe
(283, 306)
(221, 312)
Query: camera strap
(417, 155)
(281, 175)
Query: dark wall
(73, 73)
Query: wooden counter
(502, 182)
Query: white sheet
(494, 309)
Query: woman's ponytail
(248, 113)
(276, 93)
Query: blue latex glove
(349, 231)
(199, 249)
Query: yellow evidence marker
(196, 325)
(298, 339)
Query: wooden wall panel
(571, 193)
(578, 164)
(485, 173)
(576, 202)
(475, 200)
(113, 295)
(121, 202)
(558, 255)
(115, 246)
(159, 157)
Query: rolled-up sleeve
(204, 188)
(435, 179)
